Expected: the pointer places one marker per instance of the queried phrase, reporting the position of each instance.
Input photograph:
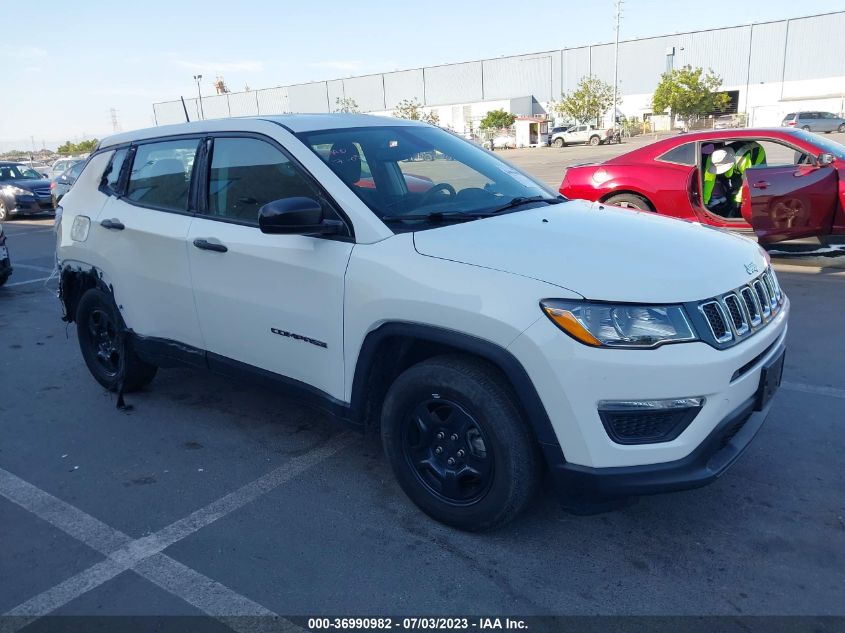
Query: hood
(602, 253)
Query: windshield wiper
(520, 200)
(435, 216)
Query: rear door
(274, 302)
(140, 237)
(790, 201)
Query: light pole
(616, 59)
(198, 79)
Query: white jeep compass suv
(491, 329)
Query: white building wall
(777, 67)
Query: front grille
(41, 191)
(744, 310)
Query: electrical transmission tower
(115, 126)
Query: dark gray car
(814, 121)
(23, 191)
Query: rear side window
(246, 174)
(111, 177)
(161, 174)
(682, 154)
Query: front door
(790, 201)
(274, 302)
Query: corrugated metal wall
(815, 47)
(792, 50)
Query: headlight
(626, 326)
(17, 191)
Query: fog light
(647, 421)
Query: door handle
(113, 224)
(762, 184)
(210, 245)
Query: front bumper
(25, 205)
(571, 379)
(583, 489)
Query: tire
(841, 128)
(4, 213)
(629, 201)
(594, 140)
(106, 351)
(466, 410)
(559, 142)
(806, 128)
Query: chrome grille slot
(716, 319)
(736, 313)
(771, 288)
(763, 296)
(749, 297)
(739, 313)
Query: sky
(86, 57)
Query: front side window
(416, 172)
(161, 174)
(246, 174)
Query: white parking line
(31, 281)
(144, 555)
(833, 392)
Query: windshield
(417, 171)
(18, 172)
(825, 144)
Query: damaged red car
(778, 183)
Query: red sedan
(780, 183)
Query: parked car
(591, 134)
(815, 121)
(483, 325)
(62, 184)
(62, 165)
(502, 141)
(792, 188)
(727, 121)
(5, 260)
(23, 191)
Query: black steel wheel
(446, 448)
(106, 350)
(458, 444)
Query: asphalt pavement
(220, 498)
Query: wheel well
(394, 347)
(73, 283)
(628, 192)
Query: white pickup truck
(583, 133)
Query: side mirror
(825, 159)
(296, 216)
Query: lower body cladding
(635, 422)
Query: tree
(412, 109)
(689, 93)
(346, 104)
(83, 147)
(589, 101)
(497, 120)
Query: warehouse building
(768, 69)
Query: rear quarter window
(682, 155)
